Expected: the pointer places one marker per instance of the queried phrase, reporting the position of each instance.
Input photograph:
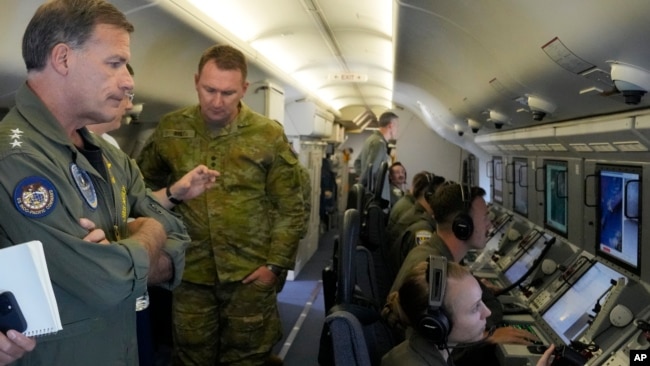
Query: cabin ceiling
(474, 56)
(446, 61)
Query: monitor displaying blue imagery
(619, 214)
(572, 313)
(555, 196)
(520, 186)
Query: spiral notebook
(23, 271)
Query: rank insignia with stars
(16, 134)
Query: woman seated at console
(441, 302)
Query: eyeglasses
(129, 95)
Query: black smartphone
(11, 317)
(537, 349)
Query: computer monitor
(499, 223)
(521, 265)
(569, 316)
(529, 238)
(520, 186)
(619, 214)
(555, 196)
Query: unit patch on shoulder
(35, 196)
(84, 184)
(422, 236)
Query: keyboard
(528, 328)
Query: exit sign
(349, 76)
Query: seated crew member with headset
(441, 302)
(422, 224)
(462, 224)
(420, 207)
(405, 203)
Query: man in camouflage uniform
(245, 231)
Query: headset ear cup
(428, 195)
(463, 226)
(435, 326)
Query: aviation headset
(429, 190)
(435, 325)
(463, 225)
(433, 182)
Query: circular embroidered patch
(84, 184)
(35, 196)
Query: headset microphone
(476, 343)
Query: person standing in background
(328, 193)
(245, 232)
(375, 151)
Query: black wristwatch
(277, 271)
(171, 199)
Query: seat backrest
(379, 180)
(346, 256)
(356, 197)
(329, 277)
(348, 340)
(368, 179)
(365, 274)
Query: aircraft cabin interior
(542, 103)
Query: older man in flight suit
(74, 192)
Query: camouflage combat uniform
(254, 216)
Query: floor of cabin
(302, 309)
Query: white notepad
(23, 271)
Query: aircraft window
(497, 180)
(520, 186)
